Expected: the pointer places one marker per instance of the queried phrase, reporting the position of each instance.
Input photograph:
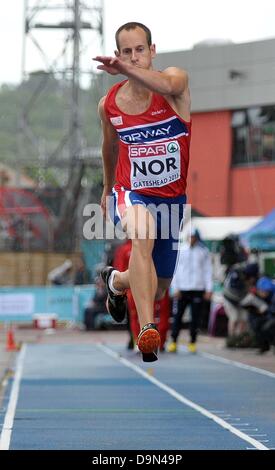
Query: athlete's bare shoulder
(176, 71)
(108, 129)
(179, 79)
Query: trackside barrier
(21, 304)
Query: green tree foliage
(47, 104)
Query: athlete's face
(134, 48)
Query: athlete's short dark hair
(134, 25)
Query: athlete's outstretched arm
(172, 81)
(109, 154)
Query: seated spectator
(238, 296)
(263, 323)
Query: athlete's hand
(112, 65)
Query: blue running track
(98, 397)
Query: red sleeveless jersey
(153, 147)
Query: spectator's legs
(180, 306)
(231, 312)
(257, 323)
(196, 309)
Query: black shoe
(115, 304)
(150, 357)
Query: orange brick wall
(216, 189)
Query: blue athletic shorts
(168, 215)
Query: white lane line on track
(219, 412)
(256, 444)
(9, 417)
(238, 364)
(248, 430)
(230, 419)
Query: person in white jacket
(192, 284)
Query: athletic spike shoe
(115, 304)
(148, 342)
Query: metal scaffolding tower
(55, 40)
(73, 18)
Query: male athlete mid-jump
(146, 139)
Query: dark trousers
(194, 298)
(264, 329)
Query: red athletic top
(153, 147)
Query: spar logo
(147, 150)
(154, 160)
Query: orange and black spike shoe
(148, 342)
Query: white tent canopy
(217, 228)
